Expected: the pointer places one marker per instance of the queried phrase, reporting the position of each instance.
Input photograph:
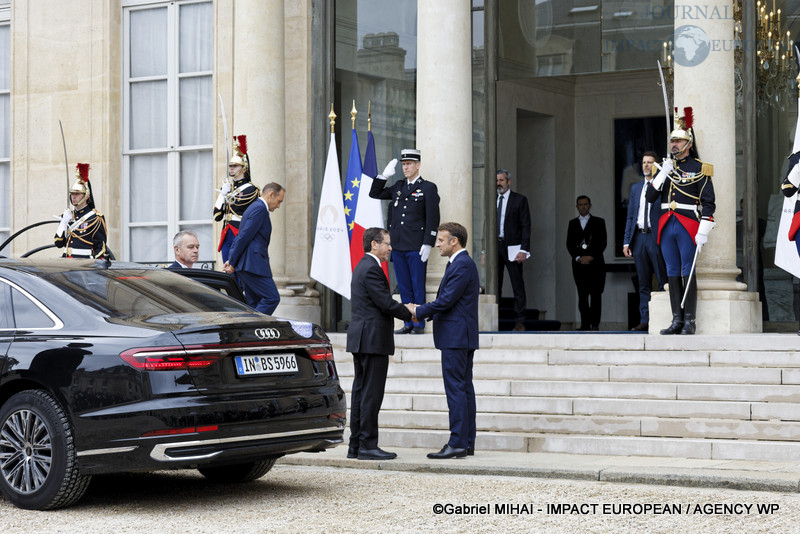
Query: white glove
(223, 193)
(702, 233)
(661, 177)
(62, 226)
(794, 176)
(388, 172)
(226, 188)
(424, 252)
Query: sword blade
(66, 159)
(694, 264)
(666, 100)
(225, 127)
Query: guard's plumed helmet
(82, 184)
(683, 125)
(240, 154)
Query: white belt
(82, 252)
(678, 206)
(234, 217)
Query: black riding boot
(690, 307)
(675, 296)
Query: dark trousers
(517, 283)
(589, 279)
(366, 398)
(457, 375)
(678, 248)
(260, 291)
(648, 261)
(410, 272)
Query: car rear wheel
(238, 472)
(38, 465)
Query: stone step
(592, 373)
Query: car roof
(60, 265)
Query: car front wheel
(238, 472)
(38, 465)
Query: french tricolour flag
(368, 210)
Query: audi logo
(267, 333)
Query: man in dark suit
(641, 229)
(586, 241)
(412, 220)
(455, 333)
(249, 256)
(370, 340)
(187, 249)
(514, 233)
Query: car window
(27, 314)
(5, 306)
(145, 292)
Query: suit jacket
(175, 265)
(517, 223)
(373, 307)
(413, 215)
(455, 310)
(633, 213)
(595, 239)
(249, 250)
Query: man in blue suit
(455, 333)
(249, 256)
(641, 230)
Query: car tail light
(177, 431)
(167, 359)
(321, 354)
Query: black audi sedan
(109, 367)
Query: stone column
(444, 113)
(707, 85)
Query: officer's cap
(410, 154)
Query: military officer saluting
(82, 230)
(412, 221)
(234, 198)
(686, 192)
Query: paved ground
(494, 492)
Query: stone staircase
(713, 397)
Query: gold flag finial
(332, 117)
(369, 115)
(353, 114)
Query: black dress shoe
(418, 330)
(352, 453)
(641, 327)
(448, 452)
(376, 454)
(470, 451)
(404, 330)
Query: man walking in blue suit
(640, 241)
(455, 333)
(249, 256)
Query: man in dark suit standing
(249, 256)
(514, 234)
(586, 241)
(412, 220)
(455, 333)
(187, 250)
(370, 340)
(641, 229)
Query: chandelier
(776, 64)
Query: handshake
(413, 309)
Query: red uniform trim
(691, 225)
(225, 231)
(794, 226)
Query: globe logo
(691, 45)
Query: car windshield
(132, 293)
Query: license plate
(266, 364)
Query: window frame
(173, 150)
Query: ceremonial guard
(234, 198)
(412, 221)
(686, 192)
(82, 230)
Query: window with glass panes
(168, 127)
(5, 100)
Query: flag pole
(353, 114)
(332, 117)
(369, 115)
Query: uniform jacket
(249, 250)
(413, 216)
(634, 201)
(372, 305)
(455, 310)
(242, 195)
(85, 236)
(688, 195)
(517, 223)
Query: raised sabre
(225, 126)
(666, 101)
(66, 160)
